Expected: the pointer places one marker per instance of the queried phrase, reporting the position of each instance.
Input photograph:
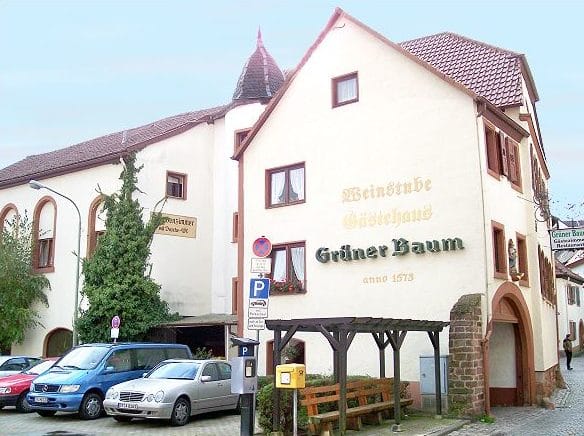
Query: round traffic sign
(116, 322)
(262, 247)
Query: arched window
(96, 224)
(57, 342)
(293, 353)
(7, 215)
(44, 226)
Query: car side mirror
(144, 375)
(109, 369)
(205, 378)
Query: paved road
(566, 420)
(212, 424)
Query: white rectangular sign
(257, 312)
(258, 302)
(261, 265)
(256, 323)
(567, 239)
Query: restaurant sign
(398, 247)
(177, 225)
(567, 239)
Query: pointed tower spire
(261, 77)
(260, 43)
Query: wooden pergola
(340, 332)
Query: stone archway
(510, 337)
(57, 342)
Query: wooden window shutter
(502, 143)
(492, 155)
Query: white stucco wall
(194, 273)
(408, 125)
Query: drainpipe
(485, 341)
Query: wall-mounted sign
(261, 265)
(567, 239)
(400, 247)
(262, 247)
(176, 225)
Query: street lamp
(38, 185)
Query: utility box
(428, 382)
(291, 376)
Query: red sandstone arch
(509, 306)
(4, 213)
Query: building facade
(187, 168)
(399, 181)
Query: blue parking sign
(259, 288)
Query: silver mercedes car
(175, 390)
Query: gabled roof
(564, 272)
(261, 77)
(338, 14)
(491, 72)
(104, 149)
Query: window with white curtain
(285, 186)
(288, 268)
(345, 89)
(44, 233)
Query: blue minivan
(79, 380)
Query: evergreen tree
(20, 288)
(115, 280)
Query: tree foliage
(20, 289)
(115, 280)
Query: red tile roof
(104, 149)
(566, 273)
(491, 72)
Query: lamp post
(37, 185)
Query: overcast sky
(75, 70)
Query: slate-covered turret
(261, 77)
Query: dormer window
(176, 185)
(345, 89)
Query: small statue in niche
(513, 271)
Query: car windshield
(82, 358)
(178, 370)
(40, 367)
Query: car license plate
(127, 406)
(41, 400)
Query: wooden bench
(369, 401)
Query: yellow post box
(291, 376)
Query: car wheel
(181, 412)
(122, 418)
(91, 406)
(46, 413)
(22, 404)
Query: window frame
(288, 247)
(183, 178)
(235, 227)
(499, 250)
(522, 257)
(238, 138)
(344, 78)
(286, 170)
(36, 238)
(92, 234)
(493, 151)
